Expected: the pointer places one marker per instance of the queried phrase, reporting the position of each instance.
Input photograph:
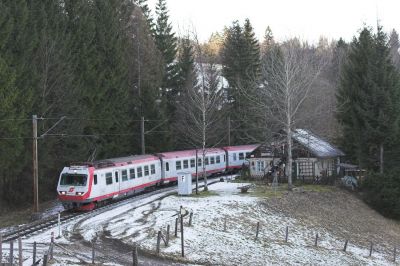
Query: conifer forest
(98, 72)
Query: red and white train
(85, 186)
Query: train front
(74, 187)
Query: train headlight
(63, 192)
(79, 193)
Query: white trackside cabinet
(184, 183)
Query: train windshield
(73, 180)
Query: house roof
(316, 145)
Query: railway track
(42, 224)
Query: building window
(192, 163)
(146, 170)
(260, 166)
(124, 175)
(139, 172)
(212, 160)
(185, 164)
(218, 159)
(109, 180)
(241, 156)
(132, 173)
(152, 169)
(306, 169)
(178, 165)
(95, 179)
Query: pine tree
(16, 75)
(241, 68)
(167, 44)
(368, 101)
(147, 14)
(252, 52)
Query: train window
(152, 169)
(109, 180)
(217, 159)
(247, 154)
(139, 172)
(178, 165)
(241, 156)
(124, 174)
(95, 179)
(132, 173)
(116, 177)
(192, 163)
(167, 166)
(185, 164)
(199, 162)
(206, 161)
(234, 157)
(146, 170)
(212, 160)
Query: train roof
(187, 153)
(242, 147)
(120, 161)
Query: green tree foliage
(241, 68)
(77, 59)
(368, 101)
(382, 192)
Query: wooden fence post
(59, 225)
(167, 237)
(182, 246)
(370, 249)
(1, 248)
(316, 240)
(190, 219)
(258, 228)
(287, 234)
(158, 242)
(20, 262)
(11, 252)
(93, 251)
(176, 227)
(135, 260)
(345, 245)
(45, 259)
(34, 253)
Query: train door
(117, 180)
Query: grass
(263, 191)
(203, 194)
(317, 188)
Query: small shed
(313, 157)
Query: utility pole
(142, 135)
(197, 173)
(229, 131)
(35, 166)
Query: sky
(307, 19)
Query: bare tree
(200, 107)
(288, 73)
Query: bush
(382, 192)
